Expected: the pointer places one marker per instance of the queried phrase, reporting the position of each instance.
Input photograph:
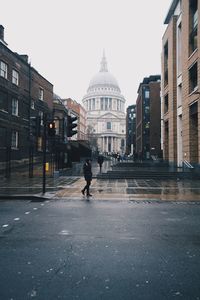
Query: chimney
(24, 57)
(1, 33)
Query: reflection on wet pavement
(70, 187)
(130, 189)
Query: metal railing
(186, 164)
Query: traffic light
(51, 126)
(71, 125)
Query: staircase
(147, 170)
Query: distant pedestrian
(118, 157)
(87, 172)
(100, 161)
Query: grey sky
(65, 40)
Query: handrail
(187, 164)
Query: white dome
(103, 79)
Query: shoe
(89, 195)
(83, 192)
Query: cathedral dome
(103, 79)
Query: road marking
(16, 219)
(27, 212)
(64, 232)
(5, 225)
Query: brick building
(60, 141)
(78, 110)
(25, 96)
(180, 84)
(148, 118)
(80, 146)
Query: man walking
(100, 161)
(87, 172)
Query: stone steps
(156, 175)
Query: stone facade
(105, 108)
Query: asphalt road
(99, 250)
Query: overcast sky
(64, 40)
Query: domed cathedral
(105, 107)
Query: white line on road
(5, 225)
(16, 219)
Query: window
(14, 107)
(40, 114)
(193, 40)
(117, 104)
(93, 103)
(106, 103)
(15, 77)
(179, 49)
(146, 109)
(109, 125)
(3, 69)
(102, 103)
(3, 137)
(179, 95)
(110, 103)
(3, 101)
(147, 94)
(166, 64)
(195, 19)
(14, 139)
(41, 94)
(193, 24)
(193, 78)
(147, 125)
(166, 104)
(32, 104)
(39, 144)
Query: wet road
(80, 249)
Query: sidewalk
(69, 187)
(23, 187)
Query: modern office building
(148, 118)
(181, 84)
(131, 129)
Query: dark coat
(87, 171)
(100, 159)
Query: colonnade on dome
(104, 104)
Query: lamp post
(44, 154)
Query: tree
(92, 138)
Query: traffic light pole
(44, 154)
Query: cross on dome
(104, 63)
